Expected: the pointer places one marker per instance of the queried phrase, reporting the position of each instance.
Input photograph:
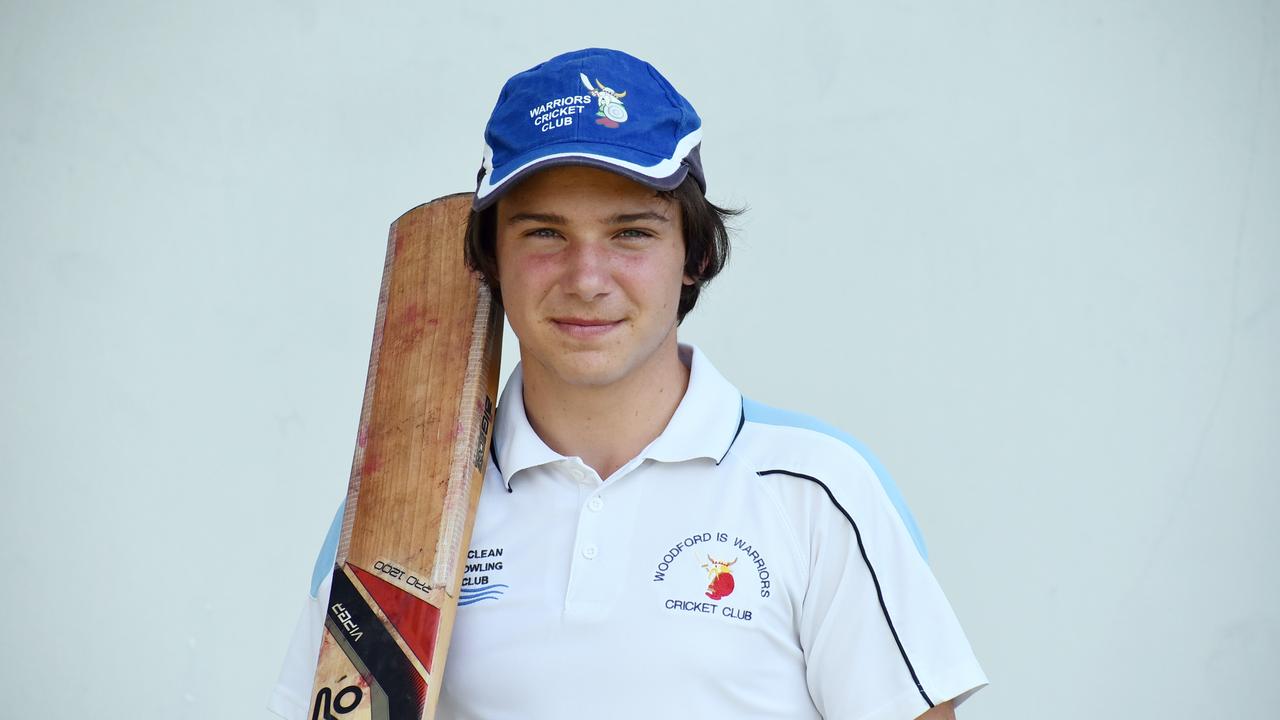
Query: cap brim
(655, 171)
(670, 182)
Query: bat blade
(415, 479)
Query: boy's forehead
(575, 185)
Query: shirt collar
(704, 425)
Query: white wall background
(1027, 251)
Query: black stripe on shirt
(874, 579)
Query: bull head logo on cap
(611, 112)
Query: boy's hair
(706, 242)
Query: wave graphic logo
(473, 595)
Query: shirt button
(590, 551)
(577, 474)
(595, 504)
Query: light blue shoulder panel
(328, 551)
(765, 415)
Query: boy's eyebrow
(619, 219)
(624, 218)
(549, 218)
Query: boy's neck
(606, 425)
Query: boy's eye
(635, 233)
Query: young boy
(649, 543)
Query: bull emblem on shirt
(611, 111)
(721, 584)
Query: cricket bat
(419, 464)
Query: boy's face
(591, 265)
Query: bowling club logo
(721, 580)
(611, 112)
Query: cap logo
(611, 112)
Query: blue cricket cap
(596, 107)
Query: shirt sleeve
(291, 696)
(881, 641)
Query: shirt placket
(601, 553)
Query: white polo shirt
(748, 563)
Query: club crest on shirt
(714, 574)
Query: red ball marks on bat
(411, 314)
(372, 464)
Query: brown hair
(706, 242)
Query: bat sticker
(344, 702)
